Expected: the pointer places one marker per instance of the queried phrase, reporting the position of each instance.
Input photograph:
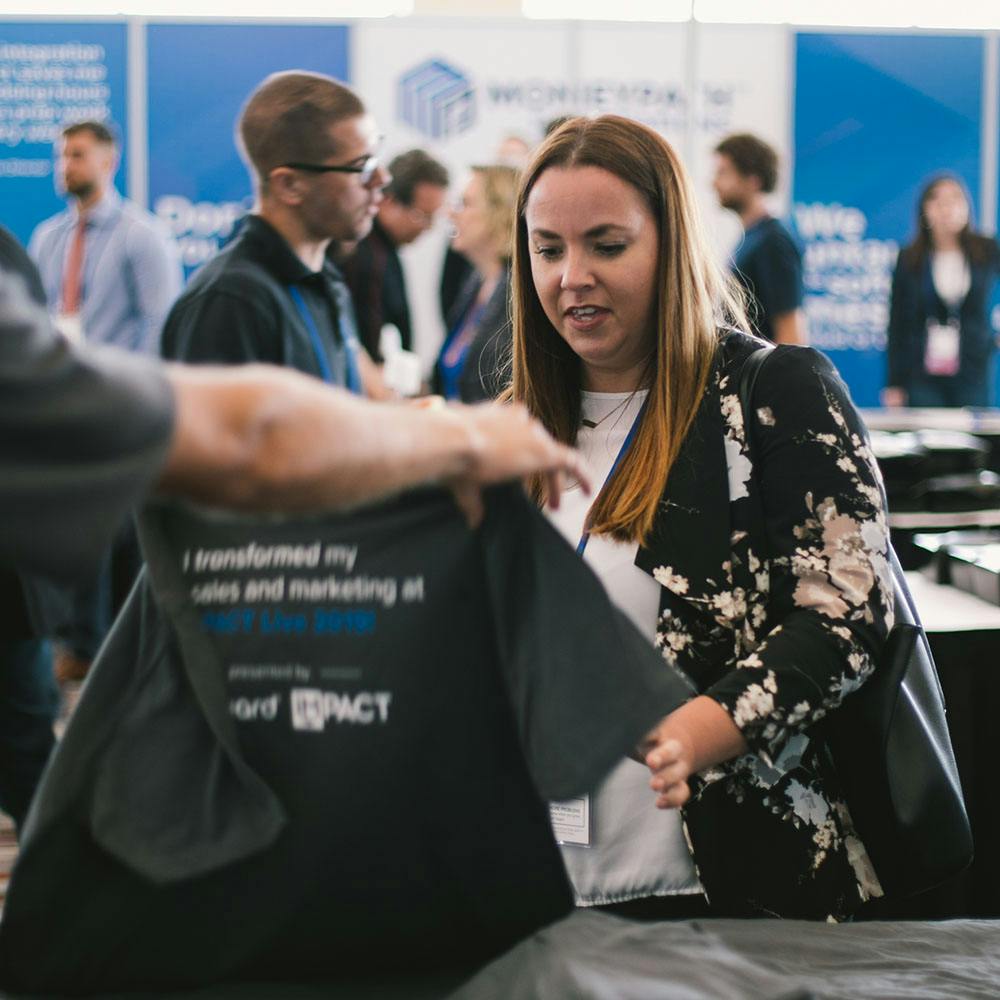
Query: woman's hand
(698, 735)
(671, 762)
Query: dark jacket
(776, 618)
(915, 300)
(374, 274)
(486, 370)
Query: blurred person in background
(373, 271)
(512, 151)
(110, 273)
(273, 294)
(940, 340)
(473, 362)
(109, 269)
(557, 123)
(767, 263)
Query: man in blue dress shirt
(109, 269)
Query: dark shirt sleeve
(486, 370)
(15, 260)
(83, 435)
(365, 283)
(223, 326)
(778, 276)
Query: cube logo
(437, 100)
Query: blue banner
(51, 75)
(875, 117)
(199, 77)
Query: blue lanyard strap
(626, 444)
(350, 344)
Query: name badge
(571, 821)
(942, 354)
(403, 373)
(70, 325)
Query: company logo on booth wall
(437, 99)
(440, 101)
(661, 104)
(847, 277)
(199, 228)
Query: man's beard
(81, 190)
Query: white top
(950, 271)
(636, 849)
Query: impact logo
(312, 709)
(437, 99)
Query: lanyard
(350, 345)
(626, 444)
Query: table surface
(945, 609)
(985, 422)
(934, 520)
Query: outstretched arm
(266, 438)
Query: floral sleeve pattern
(776, 600)
(826, 606)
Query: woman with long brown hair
(760, 572)
(940, 339)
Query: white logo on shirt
(251, 709)
(312, 709)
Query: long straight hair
(977, 249)
(693, 300)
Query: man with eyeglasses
(374, 271)
(271, 295)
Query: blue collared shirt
(131, 271)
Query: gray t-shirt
(83, 434)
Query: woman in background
(940, 340)
(474, 360)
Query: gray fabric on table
(595, 956)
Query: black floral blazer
(776, 598)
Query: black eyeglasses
(365, 169)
